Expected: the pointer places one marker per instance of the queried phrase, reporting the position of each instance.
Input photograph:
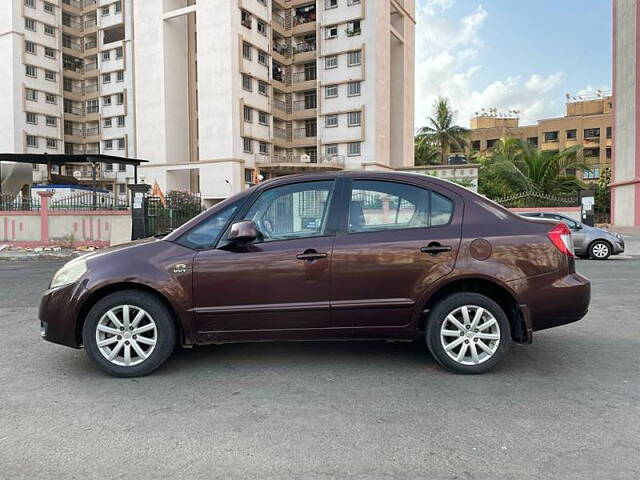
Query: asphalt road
(567, 406)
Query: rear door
(395, 241)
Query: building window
(92, 106)
(106, 56)
(248, 114)
(329, 4)
(353, 89)
(331, 91)
(105, 11)
(245, 18)
(354, 119)
(354, 58)
(332, 32)
(52, 143)
(49, 30)
(571, 134)
(121, 121)
(550, 136)
(491, 142)
(353, 28)
(106, 78)
(246, 50)
(31, 71)
(49, 75)
(331, 121)
(592, 173)
(353, 2)
(108, 167)
(117, 7)
(106, 100)
(121, 144)
(533, 141)
(31, 94)
(120, 76)
(331, 149)
(51, 121)
(475, 145)
(263, 118)
(119, 98)
(30, 24)
(591, 133)
(263, 148)
(119, 53)
(106, 123)
(262, 88)
(248, 175)
(262, 27)
(32, 118)
(263, 58)
(121, 166)
(30, 3)
(32, 141)
(49, 52)
(246, 82)
(50, 98)
(331, 62)
(353, 149)
(108, 144)
(30, 47)
(247, 145)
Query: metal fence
(90, 201)
(535, 200)
(164, 214)
(12, 201)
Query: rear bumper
(551, 302)
(58, 313)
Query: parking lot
(567, 406)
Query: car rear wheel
(467, 333)
(129, 333)
(600, 250)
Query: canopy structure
(63, 159)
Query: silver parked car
(588, 242)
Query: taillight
(560, 236)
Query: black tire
(600, 250)
(166, 336)
(582, 256)
(437, 317)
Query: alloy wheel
(126, 335)
(470, 335)
(600, 250)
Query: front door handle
(311, 255)
(435, 249)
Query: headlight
(618, 236)
(70, 273)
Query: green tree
(425, 152)
(518, 166)
(442, 132)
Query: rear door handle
(435, 249)
(311, 255)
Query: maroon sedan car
(350, 255)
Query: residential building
(230, 91)
(625, 182)
(69, 87)
(588, 121)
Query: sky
(510, 54)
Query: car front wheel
(129, 333)
(467, 333)
(600, 250)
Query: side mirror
(577, 226)
(243, 232)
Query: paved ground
(567, 406)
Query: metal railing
(302, 19)
(535, 199)
(88, 45)
(12, 201)
(280, 105)
(90, 67)
(283, 49)
(92, 22)
(74, 109)
(299, 77)
(306, 104)
(279, 132)
(305, 47)
(90, 201)
(73, 3)
(334, 161)
(305, 132)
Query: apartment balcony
(280, 22)
(90, 24)
(304, 137)
(73, 3)
(72, 23)
(591, 142)
(91, 68)
(304, 20)
(299, 163)
(303, 80)
(90, 4)
(281, 106)
(305, 108)
(304, 51)
(280, 133)
(282, 49)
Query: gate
(164, 214)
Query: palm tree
(526, 169)
(442, 132)
(425, 152)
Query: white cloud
(447, 60)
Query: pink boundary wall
(13, 228)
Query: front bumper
(58, 312)
(618, 246)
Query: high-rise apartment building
(213, 93)
(229, 90)
(68, 86)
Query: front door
(280, 282)
(399, 239)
